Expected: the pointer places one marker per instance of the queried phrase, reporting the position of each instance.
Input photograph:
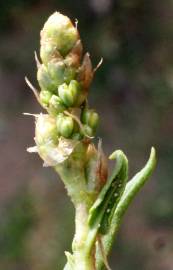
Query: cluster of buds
(64, 80)
(64, 76)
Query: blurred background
(132, 91)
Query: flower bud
(45, 80)
(87, 130)
(90, 117)
(65, 125)
(46, 130)
(67, 94)
(94, 120)
(55, 105)
(75, 89)
(60, 32)
(56, 70)
(45, 96)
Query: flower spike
(64, 140)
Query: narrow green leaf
(132, 187)
(101, 213)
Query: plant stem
(83, 259)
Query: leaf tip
(153, 156)
(115, 154)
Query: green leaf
(101, 213)
(132, 187)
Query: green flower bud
(56, 70)
(45, 80)
(60, 73)
(68, 97)
(74, 87)
(87, 130)
(65, 125)
(46, 130)
(45, 96)
(94, 120)
(55, 105)
(59, 31)
(90, 117)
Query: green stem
(83, 260)
(82, 257)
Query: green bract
(69, 74)
(45, 80)
(56, 70)
(63, 138)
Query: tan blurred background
(132, 91)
